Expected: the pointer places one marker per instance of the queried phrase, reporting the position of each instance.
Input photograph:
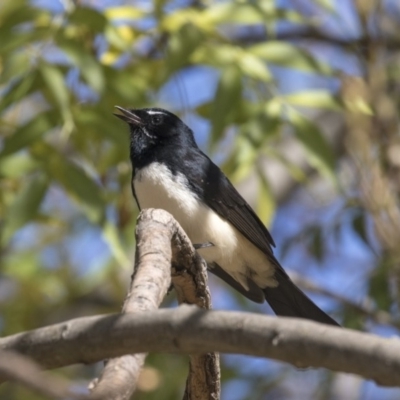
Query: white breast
(156, 187)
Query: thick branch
(190, 330)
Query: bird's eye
(156, 120)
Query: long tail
(289, 301)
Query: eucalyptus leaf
(89, 67)
(321, 154)
(227, 97)
(29, 132)
(76, 182)
(314, 99)
(25, 206)
(288, 55)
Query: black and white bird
(170, 172)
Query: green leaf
(89, 67)
(252, 66)
(181, 45)
(223, 55)
(17, 165)
(25, 206)
(55, 81)
(321, 154)
(226, 99)
(243, 160)
(248, 13)
(28, 133)
(287, 55)
(15, 65)
(19, 89)
(314, 99)
(74, 180)
(266, 203)
(88, 17)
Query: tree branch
(388, 41)
(190, 330)
(160, 243)
(378, 316)
(18, 368)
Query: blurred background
(296, 100)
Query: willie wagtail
(170, 172)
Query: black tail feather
(289, 301)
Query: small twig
(160, 243)
(21, 369)
(379, 316)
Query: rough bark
(161, 242)
(190, 330)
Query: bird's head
(153, 130)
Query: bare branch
(190, 330)
(18, 368)
(315, 35)
(379, 316)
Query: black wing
(214, 188)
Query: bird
(170, 172)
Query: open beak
(128, 116)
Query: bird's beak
(128, 116)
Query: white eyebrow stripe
(151, 112)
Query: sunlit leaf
(249, 13)
(254, 67)
(123, 12)
(17, 165)
(314, 98)
(120, 37)
(288, 55)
